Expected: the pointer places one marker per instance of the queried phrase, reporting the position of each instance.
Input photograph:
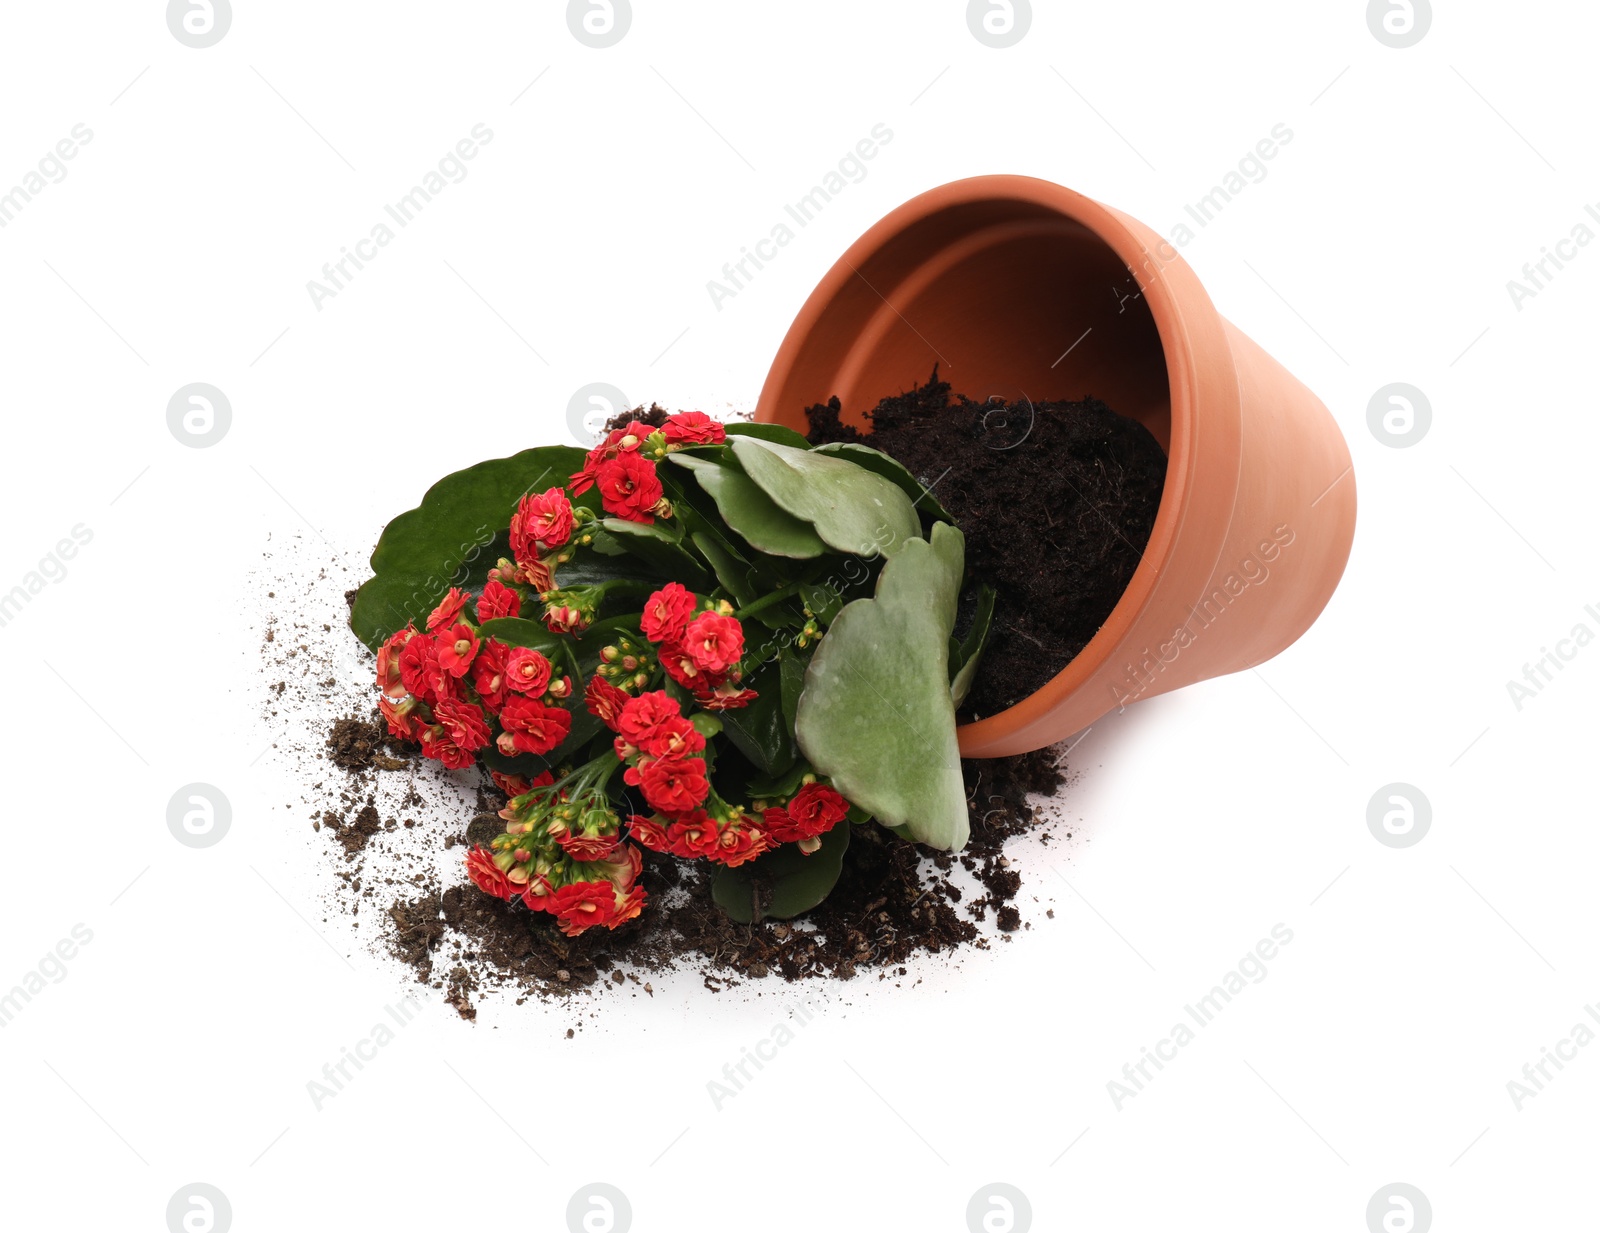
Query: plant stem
(767, 601)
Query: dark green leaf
(791, 680)
(732, 573)
(660, 550)
(519, 631)
(966, 654)
(768, 432)
(759, 730)
(798, 882)
(778, 787)
(445, 541)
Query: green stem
(767, 601)
(598, 769)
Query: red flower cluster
(611, 897)
(813, 810)
(456, 693)
(626, 477)
(660, 748)
(700, 652)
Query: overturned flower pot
(1022, 290)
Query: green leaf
(661, 550)
(731, 573)
(876, 715)
(768, 432)
(854, 510)
(424, 551)
(798, 882)
(519, 631)
(750, 512)
(759, 730)
(966, 654)
(890, 469)
(778, 787)
(791, 681)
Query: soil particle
(357, 743)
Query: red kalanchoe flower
(562, 618)
(448, 610)
(513, 785)
(587, 848)
(628, 486)
(498, 600)
(583, 905)
(464, 722)
(436, 744)
(667, 612)
(604, 701)
(680, 665)
(724, 697)
(780, 827)
(456, 647)
(651, 832)
(816, 807)
(629, 904)
(618, 441)
(419, 667)
(402, 725)
(693, 428)
(532, 726)
(693, 835)
(674, 737)
(714, 642)
(527, 671)
(671, 785)
(489, 675)
(738, 844)
(390, 682)
(542, 519)
(539, 895)
(489, 877)
(622, 867)
(539, 575)
(641, 716)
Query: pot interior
(1010, 300)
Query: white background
(1378, 249)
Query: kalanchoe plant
(721, 644)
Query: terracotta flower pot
(1019, 287)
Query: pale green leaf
(750, 512)
(876, 715)
(854, 510)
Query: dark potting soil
(893, 901)
(1056, 499)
